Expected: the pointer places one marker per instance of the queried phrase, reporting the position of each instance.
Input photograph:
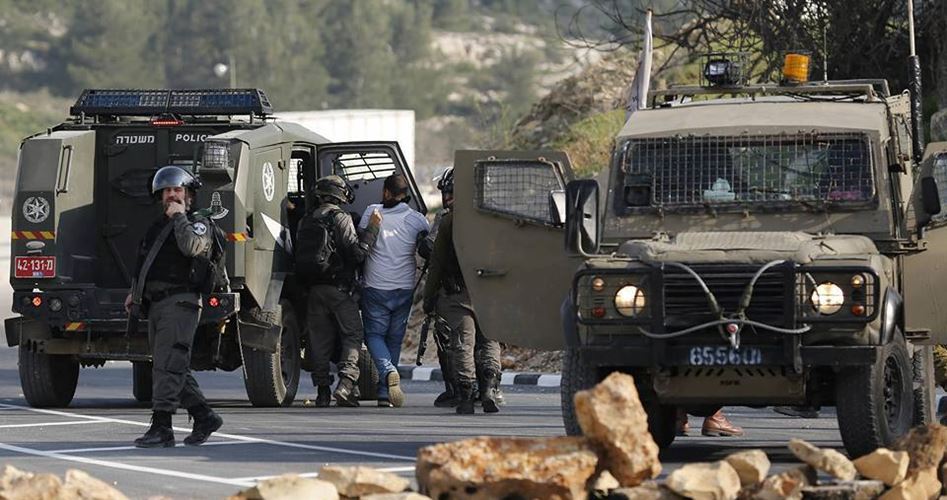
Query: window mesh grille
(365, 166)
(518, 188)
(695, 171)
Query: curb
(431, 373)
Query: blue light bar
(185, 102)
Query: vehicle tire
(142, 381)
(271, 379)
(48, 380)
(577, 375)
(875, 403)
(367, 376)
(925, 400)
(662, 421)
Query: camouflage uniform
(940, 365)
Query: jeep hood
(748, 247)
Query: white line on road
(45, 424)
(119, 465)
(237, 437)
(129, 448)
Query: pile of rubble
(615, 459)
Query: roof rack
(138, 102)
(871, 89)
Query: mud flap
(19, 329)
(258, 336)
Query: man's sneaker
(323, 396)
(395, 394)
(160, 434)
(384, 403)
(345, 394)
(206, 422)
(797, 411)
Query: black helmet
(334, 188)
(173, 176)
(445, 181)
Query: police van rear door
(365, 165)
(510, 248)
(128, 158)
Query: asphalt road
(96, 432)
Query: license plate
(724, 356)
(35, 267)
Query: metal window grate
(940, 176)
(518, 188)
(697, 171)
(365, 166)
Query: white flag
(638, 91)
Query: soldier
(468, 350)
(167, 263)
(329, 252)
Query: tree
(112, 44)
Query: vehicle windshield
(738, 171)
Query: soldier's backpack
(315, 245)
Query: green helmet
(334, 188)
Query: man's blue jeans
(385, 315)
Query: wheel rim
(893, 397)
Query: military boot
(345, 393)
(159, 435)
(465, 406)
(323, 396)
(206, 422)
(448, 398)
(489, 387)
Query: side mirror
(557, 207)
(930, 196)
(583, 226)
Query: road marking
(422, 373)
(44, 424)
(316, 474)
(119, 465)
(237, 437)
(129, 448)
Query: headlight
(629, 300)
(55, 304)
(827, 298)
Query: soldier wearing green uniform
(167, 279)
(445, 294)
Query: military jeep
(751, 245)
(83, 203)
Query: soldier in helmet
(471, 359)
(329, 251)
(165, 280)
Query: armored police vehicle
(750, 245)
(83, 203)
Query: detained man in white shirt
(388, 288)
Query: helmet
(445, 180)
(173, 176)
(334, 188)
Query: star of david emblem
(269, 184)
(36, 209)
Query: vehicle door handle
(491, 273)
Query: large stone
(751, 465)
(605, 482)
(919, 486)
(487, 467)
(81, 486)
(289, 487)
(705, 481)
(828, 461)
(358, 481)
(786, 485)
(939, 126)
(890, 467)
(20, 485)
(925, 445)
(649, 490)
(611, 415)
(844, 490)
